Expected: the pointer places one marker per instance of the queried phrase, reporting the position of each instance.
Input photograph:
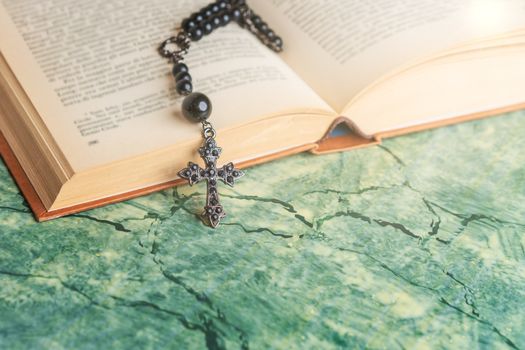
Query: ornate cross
(210, 152)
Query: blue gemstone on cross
(210, 153)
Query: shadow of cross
(210, 153)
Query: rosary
(196, 106)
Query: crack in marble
(350, 193)
(67, 286)
(484, 322)
(469, 293)
(26, 275)
(148, 210)
(18, 210)
(285, 205)
(257, 230)
(387, 268)
(434, 225)
(116, 225)
(392, 154)
(348, 213)
(466, 220)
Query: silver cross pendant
(210, 153)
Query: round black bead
(216, 21)
(197, 107)
(207, 27)
(184, 87)
(183, 76)
(225, 18)
(215, 8)
(270, 34)
(196, 34)
(179, 68)
(256, 20)
(263, 27)
(278, 41)
(222, 4)
(236, 15)
(188, 24)
(207, 11)
(198, 17)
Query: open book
(89, 113)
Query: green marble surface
(415, 244)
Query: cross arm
(193, 173)
(229, 174)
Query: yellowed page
(340, 47)
(93, 73)
(459, 84)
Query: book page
(460, 85)
(340, 47)
(92, 71)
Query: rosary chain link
(182, 43)
(208, 131)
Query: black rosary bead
(197, 17)
(196, 34)
(196, 107)
(223, 5)
(184, 87)
(215, 8)
(236, 15)
(179, 68)
(256, 20)
(216, 21)
(278, 42)
(207, 27)
(188, 24)
(207, 12)
(263, 27)
(225, 18)
(183, 76)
